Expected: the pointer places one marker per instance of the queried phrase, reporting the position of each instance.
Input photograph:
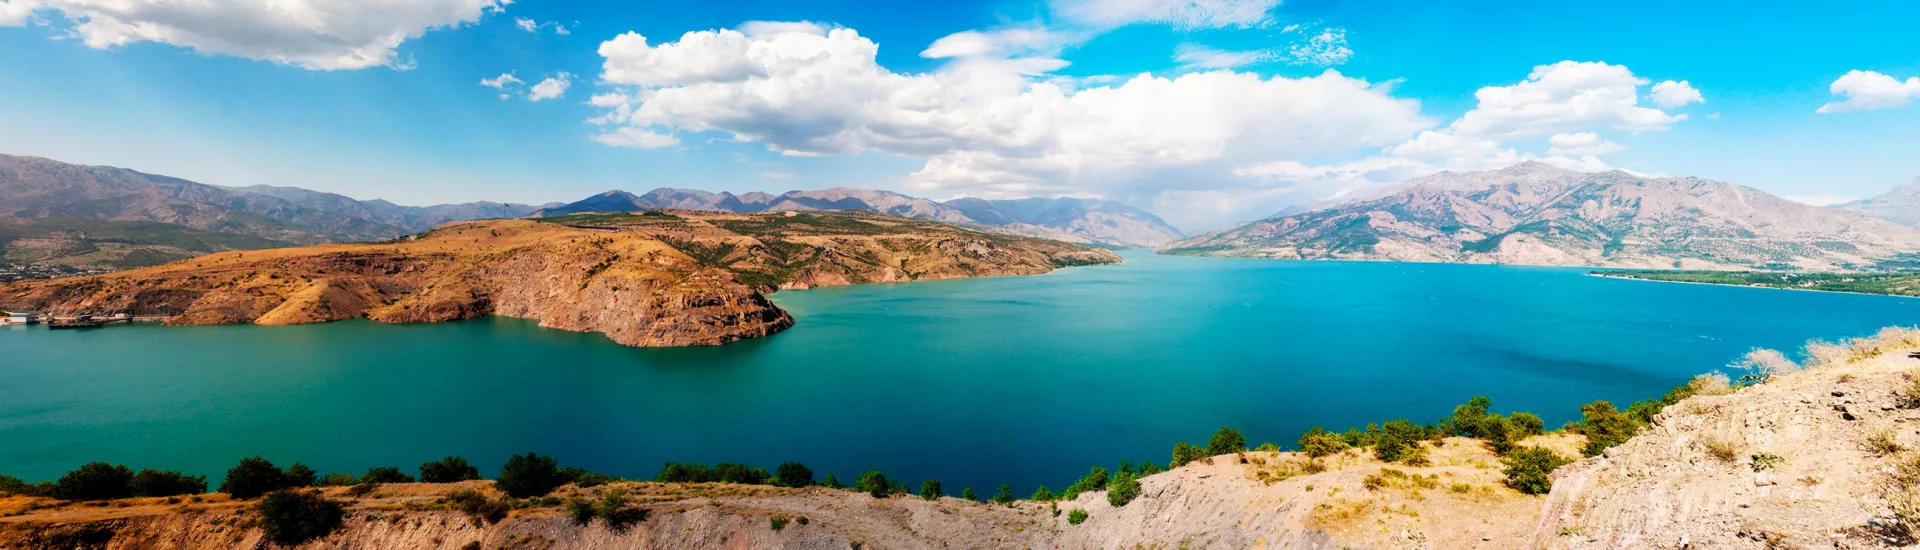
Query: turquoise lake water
(977, 382)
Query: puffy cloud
(636, 138)
(1670, 94)
(1326, 49)
(1565, 102)
(14, 13)
(1868, 90)
(550, 88)
(312, 34)
(500, 82)
(1191, 14)
(1197, 57)
(1563, 97)
(988, 126)
(1001, 43)
(1582, 144)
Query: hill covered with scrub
(1775, 454)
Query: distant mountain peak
(1533, 213)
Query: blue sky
(1237, 114)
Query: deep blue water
(1022, 380)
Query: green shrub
(385, 474)
(1004, 495)
(1500, 433)
(674, 472)
(1226, 441)
(1526, 424)
(793, 474)
(451, 469)
(95, 481)
(253, 477)
(1042, 494)
(162, 483)
(1766, 461)
(1184, 453)
(930, 489)
(1123, 489)
(529, 475)
(778, 522)
(583, 478)
(1149, 468)
(581, 510)
(832, 482)
(1467, 419)
(1318, 443)
(742, 474)
(1527, 469)
(1604, 427)
(873, 483)
(337, 479)
(1095, 480)
(1076, 516)
(294, 517)
(299, 475)
(10, 485)
(969, 494)
(1399, 441)
(477, 505)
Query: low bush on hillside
(163, 483)
(292, 517)
(385, 474)
(874, 483)
(253, 477)
(95, 481)
(451, 469)
(1226, 441)
(1123, 489)
(478, 506)
(930, 489)
(1527, 469)
(529, 475)
(674, 472)
(794, 474)
(1076, 516)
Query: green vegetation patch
(1889, 283)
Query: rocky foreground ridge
(1815, 458)
(662, 279)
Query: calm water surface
(1022, 380)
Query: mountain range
(1537, 214)
(1901, 205)
(1086, 221)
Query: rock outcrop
(660, 280)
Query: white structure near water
(23, 317)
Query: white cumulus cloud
(14, 13)
(500, 82)
(532, 26)
(1868, 90)
(1567, 96)
(987, 124)
(1564, 102)
(553, 87)
(1190, 14)
(312, 34)
(1670, 94)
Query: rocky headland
(660, 278)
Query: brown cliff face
(679, 279)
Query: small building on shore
(23, 317)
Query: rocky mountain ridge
(1900, 205)
(1088, 221)
(682, 278)
(1533, 213)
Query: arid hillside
(661, 279)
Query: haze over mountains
(1088, 221)
(1533, 213)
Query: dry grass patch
(1724, 451)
